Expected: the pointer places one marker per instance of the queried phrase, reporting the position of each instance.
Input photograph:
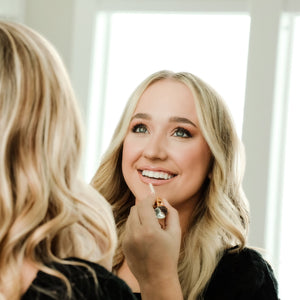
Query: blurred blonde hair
(46, 212)
(220, 220)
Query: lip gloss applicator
(151, 188)
(160, 210)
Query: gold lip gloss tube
(160, 210)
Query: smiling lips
(157, 175)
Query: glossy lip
(154, 181)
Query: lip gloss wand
(160, 210)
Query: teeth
(156, 175)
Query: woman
(177, 135)
(57, 234)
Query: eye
(140, 128)
(181, 132)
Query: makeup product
(151, 188)
(160, 210)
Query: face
(164, 146)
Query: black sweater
(241, 276)
(238, 276)
(83, 285)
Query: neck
(185, 217)
(28, 274)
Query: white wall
(53, 19)
(67, 24)
(12, 9)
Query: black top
(241, 276)
(82, 282)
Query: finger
(172, 221)
(146, 212)
(133, 221)
(132, 225)
(151, 194)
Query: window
(290, 207)
(212, 46)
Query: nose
(156, 147)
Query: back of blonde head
(220, 220)
(46, 213)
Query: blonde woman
(57, 234)
(176, 135)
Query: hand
(152, 252)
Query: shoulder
(88, 281)
(244, 275)
(108, 286)
(246, 259)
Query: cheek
(126, 157)
(196, 170)
(129, 156)
(197, 159)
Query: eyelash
(185, 133)
(138, 126)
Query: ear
(209, 175)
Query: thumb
(172, 220)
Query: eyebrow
(141, 116)
(174, 119)
(182, 120)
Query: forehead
(169, 97)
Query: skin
(164, 137)
(152, 252)
(29, 273)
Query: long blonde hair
(46, 212)
(220, 221)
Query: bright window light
(214, 47)
(290, 243)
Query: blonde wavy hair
(220, 221)
(46, 212)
